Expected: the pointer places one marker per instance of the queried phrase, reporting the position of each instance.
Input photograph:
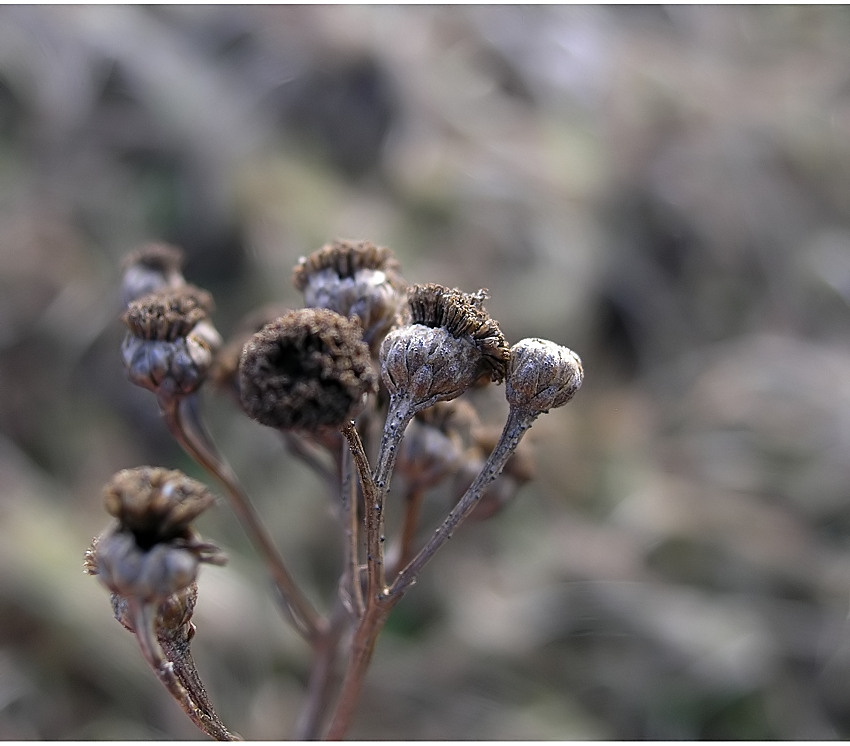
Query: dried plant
(366, 349)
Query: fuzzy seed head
(542, 375)
(308, 370)
(450, 344)
(155, 504)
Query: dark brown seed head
(308, 370)
(449, 345)
(155, 504)
(345, 259)
(168, 314)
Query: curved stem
(188, 433)
(178, 676)
(517, 424)
(400, 412)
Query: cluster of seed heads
(366, 345)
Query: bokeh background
(663, 189)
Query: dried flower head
(168, 315)
(542, 375)
(171, 344)
(354, 278)
(307, 370)
(463, 316)
(151, 552)
(450, 343)
(152, 267)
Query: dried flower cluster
(365, 348)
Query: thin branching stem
(351, 588)
(517, 424)
(360, 655)
(301, 612)
(373, 499)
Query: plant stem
(300, 611)
(373, 498)
(350, 587)
(360, 655)
(178, 673)
(517, 424)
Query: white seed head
(542, 375)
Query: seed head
(152, 267)
(463, 316)
(450, 344)
(542, 375)
(170, 343)
(151, 552)
(308, 370)
(354, 278)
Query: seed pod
(171, 343)
(308, 370)
(354, 278)
(151, 552)
(542, 375)
(450, 343)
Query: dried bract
(308, 370)
(542, 375)
(354, 278)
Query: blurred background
(662, 189)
